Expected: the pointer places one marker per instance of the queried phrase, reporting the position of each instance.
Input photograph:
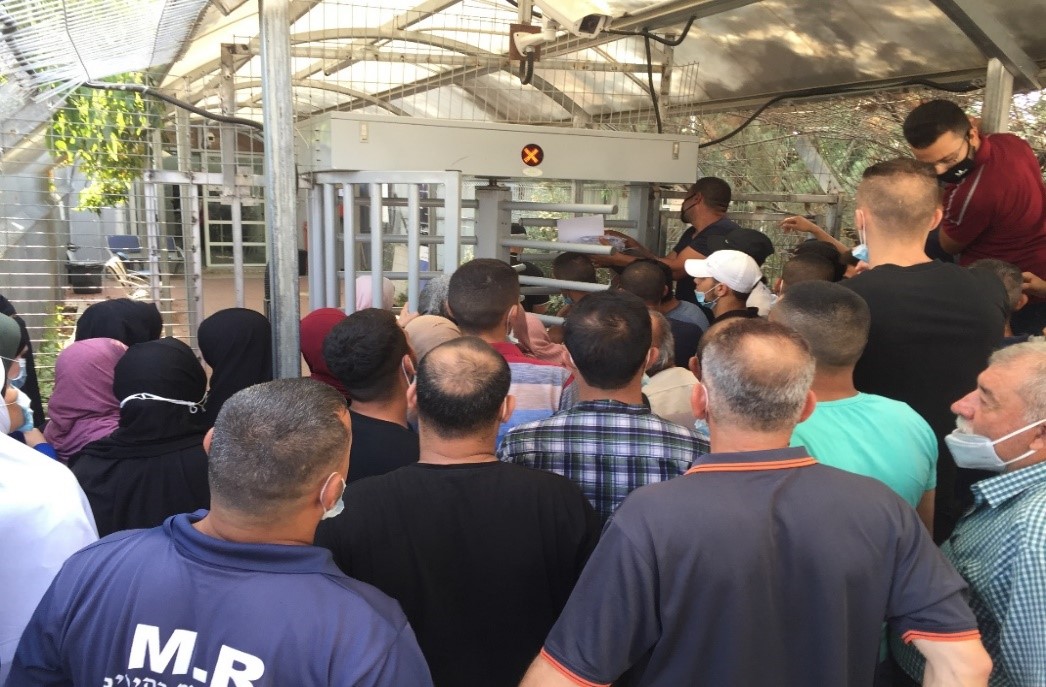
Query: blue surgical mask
(860, 252)
(339, 505)
(702, 299)
(19, 381)
(702, 429)
(977, 452)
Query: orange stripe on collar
(569, 674)
(963, 636)
(746, 467)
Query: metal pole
(563, 284)
(236, 206)
(280, 192)
(413, 244)
(330, 269)
(193, 285)
(376, 245)
(451, 226)
(998, 95)
(349, 246)
(152, 241)
(189, 203)
(316, 229)
(587, 248)
(577, 208)
(230, 191)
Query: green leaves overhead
(106, 134)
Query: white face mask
(976, 452)
(339, 505)
(194, 407)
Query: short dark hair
(715, 192)
(574, 267)
(608, 336)
(1008, 273)
(807, 267)
(274, 442)
(461, 385)
(926, 123)
(481, 293)
(645, 279)
(364, 351)
(529, 302)
(901, 194)
(833, 319)
(826, 251)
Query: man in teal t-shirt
(870, 435)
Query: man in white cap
(724, 281)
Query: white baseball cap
(731, 267)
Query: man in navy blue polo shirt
(237, 596)
(760, 566)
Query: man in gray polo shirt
(760, 566)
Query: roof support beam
(991, 38)
(659, 16)
(998, 96)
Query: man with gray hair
(999, 545)
(759, 566)
(236, 596)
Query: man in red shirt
(994, 196)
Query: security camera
(583, 18)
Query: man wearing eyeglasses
(994, 196)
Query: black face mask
(683, 208)
(958, 171)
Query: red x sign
(532, 155)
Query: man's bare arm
(962, 663)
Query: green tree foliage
(106, 134)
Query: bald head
(461, 385)
(899, 197)
(757, 374)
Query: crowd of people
(701, 478)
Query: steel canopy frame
(991, 38)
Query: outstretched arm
(954, 663)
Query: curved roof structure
(451, 59)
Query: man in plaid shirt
(610, 443)
(999, 545)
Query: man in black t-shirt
(369, 354)
(481, 555)
(704, 210)
(933, 324)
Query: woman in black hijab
(237, 344)
(123, 319)
(153, 465)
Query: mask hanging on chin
(702, 299)
(977, 452)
